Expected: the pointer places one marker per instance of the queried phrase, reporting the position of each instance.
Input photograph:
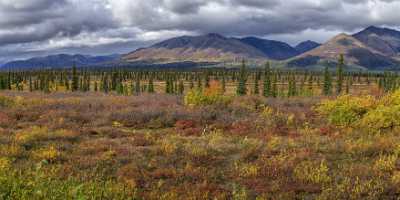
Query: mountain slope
(356, 53)
(272, 49)
(205, 48)
(384, 40)
(61, 60)
(306, 46)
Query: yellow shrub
(312, 172)
(267, 112)
(5, 164)
(391, 99)
(396, 178)
(31, 135)
(170, 145)
(50, 154)
(383, 117)
(386, 163)
(345, 110)
(247, 170)
(209, 96)
(12, 150)
(6, 101)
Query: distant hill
(206, 48)
(355, 51)
(61, 61)
(272, 49)
(306, 46)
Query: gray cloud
(106, 26)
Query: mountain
(272, 49)
(306, 46)
(61, 60)
(372, 48)
(384, 40)
(355, 52)
(206, 48)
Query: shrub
(210, 96)
(312, 172)
(383, 117)
(50, 154)
(391, 99)
(31, 135)
(5, 164)
(6, 101)
(345, 110)
(386, 163)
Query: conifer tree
(327, 90)
(223, 84)
(256, 86)
(137, 86)
(181, 87)
(151, 86)
(310, 85)
(267, 81)
(241, 89)
(30, 84)
(207, 80)
(191, 84)
(96, 87)
(339, 75)
(75, 79)
(274, 84)
(120, 88)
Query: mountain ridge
(61, 61)
(371, 48)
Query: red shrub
(184, 124)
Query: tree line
(268, 82)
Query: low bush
(6, 101)
(209, 96)
(382, 118)
(345, 110)
(312, 172)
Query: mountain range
(373, 48)
(62, 61)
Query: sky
(41, 27)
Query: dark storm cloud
(23, 21)
(113, 25)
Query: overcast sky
(41, 27)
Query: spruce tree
(267, 81)
(30, 84)
(339, 75)
(241, 89)
(191, 84)
(327, 90)
(256, 86)
(181, 87)
(150, 89)
(137, 86)
(310, 85)
(223, 84)
(75, 79)
(274, 88)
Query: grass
(95, 146)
